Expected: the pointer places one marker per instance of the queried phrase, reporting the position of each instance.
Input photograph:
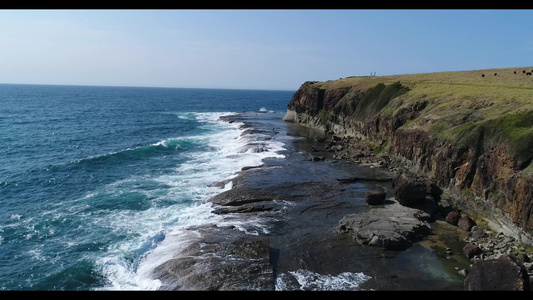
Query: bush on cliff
(515, 131)
(376, 98)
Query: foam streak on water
(306, 280)
(95, 182)
(99, 185)
(190, 182)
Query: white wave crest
(306, 280)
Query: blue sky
(253, 49)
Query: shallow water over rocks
(290, 210)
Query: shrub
(376, 98)
(322, 117)
(514, 131)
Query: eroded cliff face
(485, 181)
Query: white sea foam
(161, 237)
(36, 254)
(165, 229)
(306, 280)
(15, 217)
(161, 143)
(121, 276)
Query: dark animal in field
(528, 73)
(482, 75)
(495, 74)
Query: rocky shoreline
(490, 253)
(332, 207)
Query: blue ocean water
(98, 185)
(92, 179)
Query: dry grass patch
(464, 106)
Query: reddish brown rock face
(489, 178)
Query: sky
(253, 49)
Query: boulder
(503, 274)
(434, 190)
(376, 197)
(393, 227)
(478, 233)
(466, 223)
(410, 189)
(471, 250)
(453, 217)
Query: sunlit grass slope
(478, 108)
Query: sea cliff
(469, 132)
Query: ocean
(99, 186)
(93, 179)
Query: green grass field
(464, 107)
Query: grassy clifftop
(480, 107)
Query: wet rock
(221, 259)
(393, 227)
(479, 233)
(376, 197)
(503, 274)
(453, 217)
(318, 158)
(463, 273)
(235, 197)
(466, 223)
(434, 190)
(246, 208)
(471, 250)
(410, 189)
